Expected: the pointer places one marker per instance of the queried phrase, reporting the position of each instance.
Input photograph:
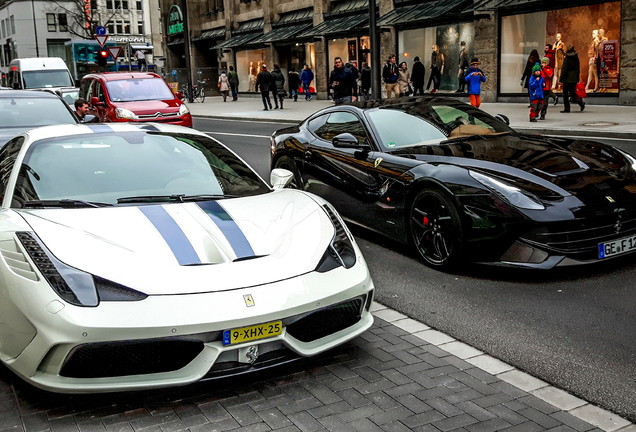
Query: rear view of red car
(133, 97)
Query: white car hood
(190, 247)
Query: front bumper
(175, 340)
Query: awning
(141, 46)
(250, 26)
(423, 12)
(211, 34)
(526, 5)
(348, 6)
(295, 17)
(335, 25)
(175, 42)
(284, 33)
(238, 40)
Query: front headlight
(510, 193)
(183, 109)
(124, 113)
(341, 251)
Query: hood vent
(16, 260)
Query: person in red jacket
(547, 72)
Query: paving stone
(395, 426)
(342, 372)
(34, 422)
(389, 315)
(444, 407)
(353, 397)
(373, 387)
(471, 408)
(396, 377)
(63, 424)
(156, 420)
(492, 399)
(508, 389)
(274, 401)
(365, 425)
(482, 375)
(489, 364)
(407, 357)
(460, 350)
(336, 424)
(96, 425)
(383, 400)
(574, 422)
(356, 382)
(538, 404)
(423, 418)
(455, 422)
(459, 363)
(522, 380)
(596, 416)
(274, 418)
(257, 427)
(561, 428)
(186, 423)
(524, 427)
(441, 371)
(435, 392)
(414, 368)
(391, 415)
(298, 406)
(295, 391)
(305, 422)
(507, 414)
(328, 410)
(462, 396)
(403, 389)
(491, 425)
(359, 413)
(223, 425)
(413, 403)
(120, 427)
(323, 393)
(368, 374)
(244, 414)
(434, 337)
(382, 366)
(410, 325)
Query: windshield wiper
(66, 203)
(174, 197)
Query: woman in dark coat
(533, 59)
(570, 76)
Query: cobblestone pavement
(401, 375)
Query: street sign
(100, 30)
(101, 39)
(114, 51)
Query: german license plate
(246, 334)
(616, 247)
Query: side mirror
(280, 177)
(345, 140)
(96, 102)
(503, 118)
(89, 118)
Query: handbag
(282, 93)
(580, 90)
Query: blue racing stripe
(228, 227)
(99, 128)
(172, 234)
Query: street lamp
(35, 30)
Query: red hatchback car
(133, 97)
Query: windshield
(21, 112)
(424, 124)
(46, 79)
(105, 168)
(139, 89)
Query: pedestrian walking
(224, 85)
(278, 87)
(535, 88)
(342, 82)
(232, 75)
(463, 67)
(354, 71)
(437, 69)
(263, 82)
(547, 72)
(390, 76)
(404, 80)
(570, 75)
(418, 71)
(141, 60)
(306, 77)
(474, 77)
(365, 81)
(294, 83)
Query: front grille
(158, 116)
(580, 237)
(326, 321)
(121, 358)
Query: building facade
(502, 33)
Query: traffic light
(102, 57)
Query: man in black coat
(342, 82)
(365, 81)
(570, 76)
(418, 71)
(264, 80)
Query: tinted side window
(342, 122)
(8, 154)
(315, 123)
(84, 92)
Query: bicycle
(198, 92)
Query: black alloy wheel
(436, 229)
(288, 163)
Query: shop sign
(175, 20)
(126, 39)
(609, 64)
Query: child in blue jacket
(474, 77)
(535, 88)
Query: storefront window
(448, 39)
(352, 50)
(593, 30)
(248, 65)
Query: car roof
(27, 94)
(114, 76)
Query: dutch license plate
(246, 334)
(616, 247)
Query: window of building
(55, 48)
(593, 30)
(139, 5)
(248, 65)
(2, 58)
(50, 22)
(2, 29)
(93, 4)
(12, 24)
(140, 27)
(117, 4)
(63, 23)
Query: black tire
(288, 163)
(435, 229)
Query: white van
(39, 72)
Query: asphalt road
(574, 328)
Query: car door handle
(308, 154)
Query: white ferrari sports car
(141, 256)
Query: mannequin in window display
(252, 78)
(592, 54)
(559, 55)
